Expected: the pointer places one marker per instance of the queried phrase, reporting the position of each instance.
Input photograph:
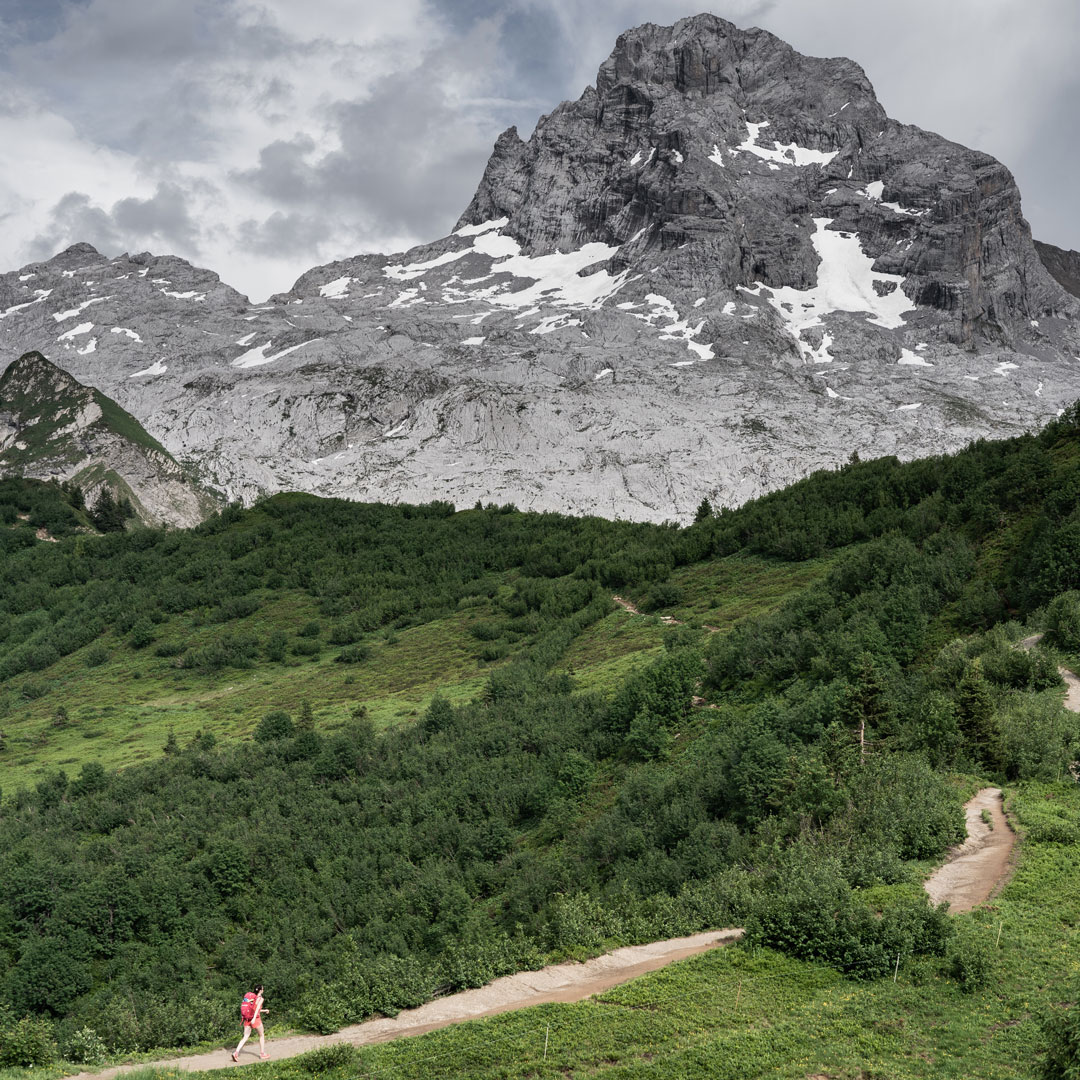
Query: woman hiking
(251, 1010)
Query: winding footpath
(1072, 683)
(558, 982)
(979, 866)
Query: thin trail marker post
(896, 970)
(547, 1035)
(1001, 926)
(738, 994)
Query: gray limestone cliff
(719, 269)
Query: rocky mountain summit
(720, 268)
(54, 428)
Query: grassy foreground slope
(852, 640)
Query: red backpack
(247, 1007)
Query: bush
(346, 633)
(353, 654)
(142, 634)
(236, 607)
(327, 1058)
(970, 961)
(84, 1047)
(306, 646)
(25, 1043)
(1063, 621)
(33, 689)
(807, 909)
(228, 651)
(275, 646)
(95, 656)
(275, 725)
(665, 594)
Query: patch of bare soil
(980, 865)
(558, 982)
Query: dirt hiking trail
(1072, 683)
(559, 982)
(668, 620)
(981, 863)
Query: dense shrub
(84, 1047)
(1063, 621)
(275, 725)
(353, 654)
(26, 1042)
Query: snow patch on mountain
(336, 289)
(874, 191)
(257, 357)
(40, 294)
(781, 153)
(911, 359)
(82, 328)
(62, 316)
(677, 329)
(156, 368)
(846, 281)
(483, 227)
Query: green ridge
(56, 404)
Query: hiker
(251, 1010)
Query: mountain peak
(34, 374)
(721, 268)
(75, 255)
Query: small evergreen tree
(704, 511)
(108, 514)
(975, 708)
(306, 720)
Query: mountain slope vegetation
(789, 758)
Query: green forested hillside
(552, 774)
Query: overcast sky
(262, 137)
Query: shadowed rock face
(1064, 266)
(719, 269)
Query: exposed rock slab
(1064, 266)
